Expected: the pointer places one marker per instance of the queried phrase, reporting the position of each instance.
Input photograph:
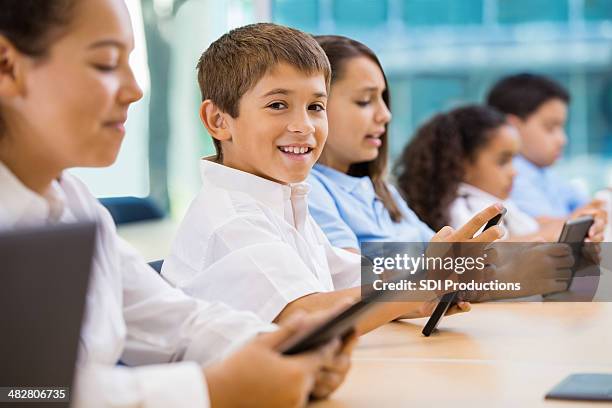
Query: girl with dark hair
(460, 162)
(350, 198)
(65, 89)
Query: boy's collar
(270, 193)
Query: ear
(514, 120)
(215, 120)
(10, 60)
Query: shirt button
(299, 189)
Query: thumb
(289, 327)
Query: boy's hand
(332, 375)
(591, 205)
(427, 309)
(264, 377)
(463, 239)
(600, 220)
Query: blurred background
(437, 54)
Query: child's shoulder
(214, 211)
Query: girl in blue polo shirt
(350, 198)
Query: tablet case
(585, 387)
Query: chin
(370, 156)
(104, 159)
(296, 178)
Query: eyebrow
(371, 89)
(107, 43)
(282, 91)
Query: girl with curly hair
(458, 163)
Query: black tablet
(576, 230)
(445, 303)
(339, 325)
(495, 220)
(450, 298)
(574, 233)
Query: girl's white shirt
(470, 200)
(132, 314)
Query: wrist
(217, 383)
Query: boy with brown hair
(248, 239)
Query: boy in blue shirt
(537, 107)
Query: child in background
(350, 198)
(537, 107)
(248, 239)
(460, 162)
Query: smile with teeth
(295, 149)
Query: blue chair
(125, 210)
(157, 265)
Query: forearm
(383, 313)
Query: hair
(340, 50)
(33, 25)
(523, 94)
(432, 164)
(235, 62)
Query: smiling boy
(247, 238)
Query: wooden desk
(499, 354)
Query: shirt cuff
(277, 303)
(172, 385)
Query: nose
(130, 90)
(383, 114)
(301, 123)
(512, 172)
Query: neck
(238, 165)
(30, 168)
(526, 157)
(335, 164)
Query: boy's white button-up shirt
(251, 243)
(131, 313)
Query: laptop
(44, 274)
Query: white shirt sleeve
(154, 386)
(249, 268)
(164, 324)
(345, 267)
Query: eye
(363, 104)
(105, 67)
(318, 107)
(277, 105)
